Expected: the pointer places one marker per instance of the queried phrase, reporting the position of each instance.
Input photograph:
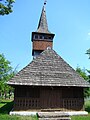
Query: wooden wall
(42, 45)
(48, 98)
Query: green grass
(13, 117)
(81, 117)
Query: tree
(88, 52)
(6, 6)
(6, 72)
(86, 77)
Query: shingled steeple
(43, 25)
(42, 38)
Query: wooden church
(47, 82)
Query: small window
(50, 37)
(35, 36)
(41, 37)
(45, 37)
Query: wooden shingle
(48, 69)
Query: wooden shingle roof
(48, 69)
(43, 25)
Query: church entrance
(50, 98)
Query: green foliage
(87, 105)
(88, 52)
(86, 77)
(82, 73)
(6, 72)
(6, 6)
(89, 74)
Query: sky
(69, 20)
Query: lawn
(8, 117)
(6, 106)
(80, 117)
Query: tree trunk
(5, 94)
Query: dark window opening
(41, 37)
(35, 36)
(50, 37)
(47, 37)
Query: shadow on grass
(87, 109)
(6, 108)
(87, 105)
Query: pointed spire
(43, 26)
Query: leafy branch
(6, 6)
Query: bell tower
(42, 38)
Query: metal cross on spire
(45, 2)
